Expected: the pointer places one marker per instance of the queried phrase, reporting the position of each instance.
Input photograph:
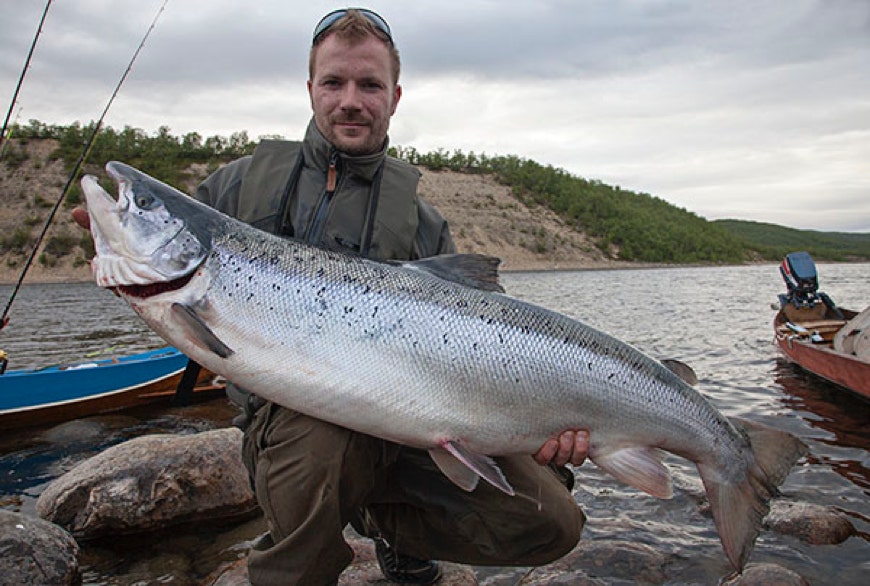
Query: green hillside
(625, 225)
(775, 241)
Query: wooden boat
(68, 391)
(811, 331)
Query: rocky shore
(156, 483)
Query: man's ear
(397, 95)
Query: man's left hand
(572, 446)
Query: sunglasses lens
(336, 15)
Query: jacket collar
(317, 152)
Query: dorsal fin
(472, 270)
(682, 370)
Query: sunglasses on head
(334, 16)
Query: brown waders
(313, 478)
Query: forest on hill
(624, 225)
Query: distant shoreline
(42, 276)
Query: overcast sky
(758, 110)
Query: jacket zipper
(319, 220)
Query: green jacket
(373, 210)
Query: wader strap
(283, 227)
(374, 198)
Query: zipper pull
(331, 174)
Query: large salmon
(426, 353)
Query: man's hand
(571, 446)
(80, 215)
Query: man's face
(353, 94)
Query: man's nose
(351, 97)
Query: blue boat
(68, 391)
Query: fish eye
(146, 201)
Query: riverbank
(485, 217)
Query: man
(338, 189)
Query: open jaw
(143, 291)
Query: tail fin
(740, 507)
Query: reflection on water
(58, 323)
(718, 320)
(841, 421)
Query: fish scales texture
(429, 346)
(396, 352)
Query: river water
(718, 320)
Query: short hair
(353, 28)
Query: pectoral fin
(640, 467)
(198, 330)
(464, 467)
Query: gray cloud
(723, 107)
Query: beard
(363, 138)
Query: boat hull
(820, 359)
(60, 393)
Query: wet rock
(235, 574)
(363, 570)
(813, 524)
(768, 575)
(152, 482)
(608, 559)
(33, 551)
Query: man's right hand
(81, 217)
(572, 446)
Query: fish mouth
(152, 289)
(142, 249)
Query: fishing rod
(79, 163)
(6, 142)
(24, 71)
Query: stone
(604, 558)
(813, 524)
(150, 483)
(768, 575)
(36, 552)
(362, 570)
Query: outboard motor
(802, 281)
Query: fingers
(581, 447)
(81, 217)
(566, 446)
(545, 455)
(572, 446)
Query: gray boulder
(813, 524)
(150, 483)
(33, 551)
